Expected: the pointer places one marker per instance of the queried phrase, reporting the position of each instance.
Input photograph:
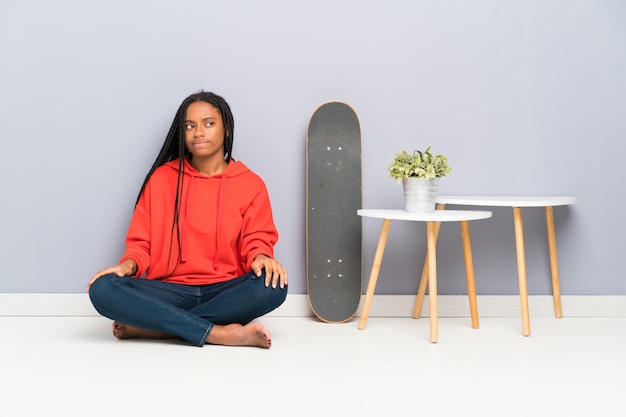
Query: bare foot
(126, 331)
(252, 334)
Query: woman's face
(204, 131)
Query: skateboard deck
(333, 228)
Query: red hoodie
(225, 222)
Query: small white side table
(517, 203)
(433, 222)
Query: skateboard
(333, 196)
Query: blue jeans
(189, 312)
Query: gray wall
(525, 97)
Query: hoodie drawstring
(216, 259)
(183, 243)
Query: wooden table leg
(432, 280)
(554, 266)
(378, 259)
(469, 272)
(421, 291)
(521, 269)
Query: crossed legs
(217, 314)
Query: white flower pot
(420, 194)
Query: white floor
(72, 366)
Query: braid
(174, 148)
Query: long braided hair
(174, 148)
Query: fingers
(280, 277)
(119, 270)
(275, 274)
(93, 279)
(109, 270)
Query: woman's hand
(125, 269)
(274, 271)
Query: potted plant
(419, 172)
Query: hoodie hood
(234, 168)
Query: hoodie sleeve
(138, 236)
(259, 232)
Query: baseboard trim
(297, 305)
